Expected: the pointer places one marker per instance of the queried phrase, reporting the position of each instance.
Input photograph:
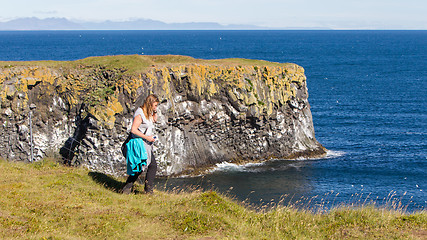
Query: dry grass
(46, 200)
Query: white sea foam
(334, 154)
(329, 154)
(259, 167)
(232, 167)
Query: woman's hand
(150, 138)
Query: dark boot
(148, 188)
(127, 189)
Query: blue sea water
(368, 97)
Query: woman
(143, 128)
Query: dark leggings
(149, 177)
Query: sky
(335, 14)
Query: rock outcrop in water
(212, 111)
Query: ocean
(368, 97)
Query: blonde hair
(147, 106)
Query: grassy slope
(135, 64)
(48, 200)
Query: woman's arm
(135, 124)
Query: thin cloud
(46, 12)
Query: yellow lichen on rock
(106, 113)
(256, 87)
(15, 82)
(166, 83)
(260, 86)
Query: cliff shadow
(107, 181)
(71, 147)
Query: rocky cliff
(211, 111)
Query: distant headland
(33, 23)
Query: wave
(415, 133)
(329, 154)
(272, 165)
(232, 167)
(334, 154)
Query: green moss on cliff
(104, 83)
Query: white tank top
(147, 125)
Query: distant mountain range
(139, 24)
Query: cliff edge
(211, 111)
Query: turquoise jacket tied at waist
(136, 156)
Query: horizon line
(266, 29)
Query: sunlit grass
(48, 200)
(136, 64)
